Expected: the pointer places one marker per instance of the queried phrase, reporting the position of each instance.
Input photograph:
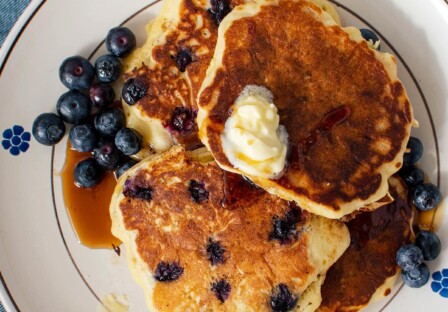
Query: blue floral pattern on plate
(16, 140)
(440, 283)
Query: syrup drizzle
(331, 119)
(368, 226)
(239, 192)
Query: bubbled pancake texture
(311, 69)
(172, 227)
(375, 239)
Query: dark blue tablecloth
(10, 11)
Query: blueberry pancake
(308, 110)
(199, 238)
(166, 73)
(367, 270)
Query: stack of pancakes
(203, 235)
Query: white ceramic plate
(42, 265)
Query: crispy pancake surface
(367, 270)
(316, 70)
(202, 239)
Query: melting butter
(253, 139)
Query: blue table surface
(10, 10)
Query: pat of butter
(253, 139)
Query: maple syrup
(331, 119)
(239, 191)
(429, 220)
(393, 217)
(88, 208)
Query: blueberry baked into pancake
(199, 238)
(305, 108)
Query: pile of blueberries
(103, 133)
(426, 196)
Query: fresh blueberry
(137, 189)
(427, 196)
(369, 35)
(101, 95)
(183, 59)
(133, 90)
(83, 137)
(108, 68)
(429, 243)
(197, 191)
(76, 73)
(109, 121)
(128, 141)
(285, 229)
(48, 129)
(120, 41)
(107, 155)
(168, 271)
(282, 300)
(416, 277)
(183, 120)
(412, 175)
(415, 153)
(409, 257)
(219, 9)
(221, 289)
(73, 107)
(88, 173)
(124, 167)
(215, 252)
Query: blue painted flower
(16, 140)
(440, 283)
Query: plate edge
(6, 49)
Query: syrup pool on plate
(88, 208)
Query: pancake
(200, 238)
(367, 270)
(345, 112)
(184, 28)
(182, 25)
